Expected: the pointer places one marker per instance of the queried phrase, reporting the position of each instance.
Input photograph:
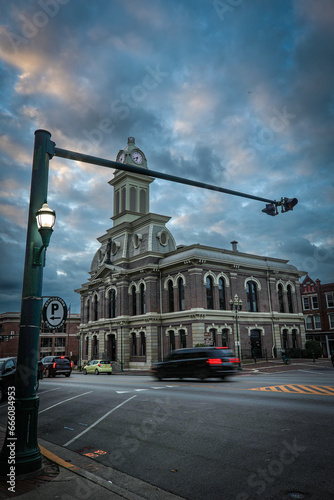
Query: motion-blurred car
(197, 362)
(57, 365)
(98, 366)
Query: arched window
(170, 296)
(280, 298)
(289, 294)
(95, 312)
(142, 344)
(117, 203)
(225, 337)
(285, 339)
(142, 201)
(123, 198)
(294, 338)
(88, 311)
(112, 303)
(86, 346)
(134, 300)
(251, 297)
(133, 344)
(133, 199)
(222, 303)
(209, 293)
(183, 339)
(142, 299)
(171, 341)
(181, 294)
(213, 336)
(94, 346)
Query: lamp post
(21, 434)
(121, 324)
(236, 304)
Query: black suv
(57, 365)
(198, 362)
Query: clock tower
(131, 191)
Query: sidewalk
(67, 474)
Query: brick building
(147, 296)
(63, 341)
(318, 308)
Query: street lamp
(45, 219)
(121, 325)
(236, 304)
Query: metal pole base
(20, 453)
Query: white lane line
(99, 420)
(44, 392)
(122, 392)
(138, 390)
(65, 400)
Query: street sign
(208, 340)
(54, 312)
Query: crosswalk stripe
(300, 389)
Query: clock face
(137, 157)
(121, 158)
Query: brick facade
(318, 309)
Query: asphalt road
(254, 436)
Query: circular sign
(54, 312)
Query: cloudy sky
(236, 93)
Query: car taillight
(234, 360)
(54, 365)
(214, 361)
(71, 364)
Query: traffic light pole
(20, 453)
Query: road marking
(99, 420)
(43, 392)
(122, 392)
(138, 390)
(300, 389)
(65, 400)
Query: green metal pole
(121, 348)
(21, 435)
(237, 328)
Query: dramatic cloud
(236, 94)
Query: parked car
(198, 362)
(7, 375)
(57, 365)
(98, 366)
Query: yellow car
(98, 366)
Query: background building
(63, 341)
(147, 296)
(318, 308)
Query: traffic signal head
(270, 209)
(288, 204)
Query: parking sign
(54, 312)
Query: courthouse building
(147, 296)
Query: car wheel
(160, 375)
(67, 374)
(85, 372)
(53, 375)
(97, 372)
(109, 373)
(202, 375)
